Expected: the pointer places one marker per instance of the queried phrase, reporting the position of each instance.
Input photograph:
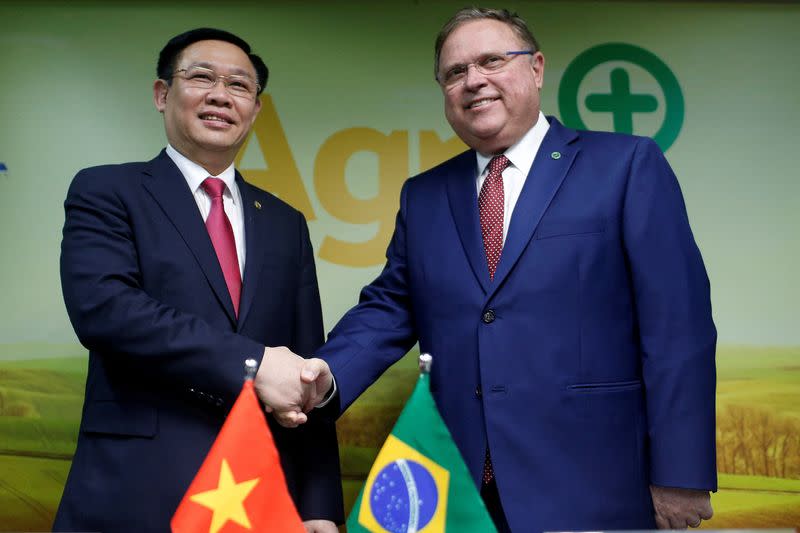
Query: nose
(218, 94)
(474, 78)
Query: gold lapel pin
(257, 204)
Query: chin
(219, 141)
(486, 129)
(487, 136)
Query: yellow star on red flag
(244, 450)
(227, 500)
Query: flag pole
(250, 367)
(425, 363)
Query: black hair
(168, 57)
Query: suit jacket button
(478, 392)
(488, 316)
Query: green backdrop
(351, 111)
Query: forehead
(219, 55)
(476, 37)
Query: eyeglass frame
(220, 77)
(513, 53)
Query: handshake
(291, 386)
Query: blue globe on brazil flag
(403, 496)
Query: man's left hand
(680, 508)
(320, 526)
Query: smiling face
(491, 112)
(207, 125)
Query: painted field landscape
(40, 406)
(758, 438)
(758, 434)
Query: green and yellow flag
(419, 482)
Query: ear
(257, 109)
(160, 90)
(537, 63)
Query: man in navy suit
(553, 276)
(174, 272)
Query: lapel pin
(257, 204)
(556, 155)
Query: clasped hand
(290, 386)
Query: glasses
(487, 64)
(205, 78)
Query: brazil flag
(419, 482)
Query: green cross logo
(621, 102)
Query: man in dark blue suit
(553, 276)
(174, 272)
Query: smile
(215, 118)
(480, 103)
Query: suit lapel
(169, 189)
(256, 220)
(552, 162)
(463, 198)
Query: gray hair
(468, 14)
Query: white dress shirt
(231, 197)
(521, 156)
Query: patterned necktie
(490, 206)
(221, 233)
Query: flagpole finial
(250, 367)
(425, 363)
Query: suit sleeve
(113, 315)
(380, 329)
(314, 457)
(677, 334)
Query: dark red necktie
(221, 233)
(491, 208)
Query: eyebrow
(237, 71)
(481, 56)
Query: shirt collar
(195, 174)
(521, 154)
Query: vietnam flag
(240, 486)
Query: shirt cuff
(328, 397)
